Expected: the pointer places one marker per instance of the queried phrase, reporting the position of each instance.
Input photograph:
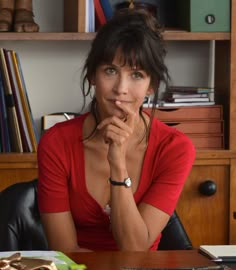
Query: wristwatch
(127, 182)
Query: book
(172, 104)
(101, 19)
(74, 15)
(173, 95)
(4, 132)
(89, 16)
(224, 253)
(79, 16)
(26, 142)
(25, 101)
(62, 261)
(13, 125)
(187, 99)
(26, 95)
(107, 9)
(189, 89)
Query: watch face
(128, 182)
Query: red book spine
(101, 19)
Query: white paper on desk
(219, 251)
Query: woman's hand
(117, 132)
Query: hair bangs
(130, 54)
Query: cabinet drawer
(198, 127)
(212, 141)
(190, 113)
(205, 215)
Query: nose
(121, 85)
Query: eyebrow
(135, 68)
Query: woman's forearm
(128, 226)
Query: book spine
(101, 19)
(5, 136)
(107, 9)
(24, 100)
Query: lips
(121, 101)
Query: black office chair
(21, 228)
(174, 236)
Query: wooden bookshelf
(168, 35)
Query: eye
(138, 75)
(110, 70)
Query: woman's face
(118, 82)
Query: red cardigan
(168, 161)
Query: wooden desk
(151, 259)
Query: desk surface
(151, 259)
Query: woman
(110, 179)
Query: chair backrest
(21, 228)
(174, 236)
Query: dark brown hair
(137, 34)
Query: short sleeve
(53, 173)
(174, 158)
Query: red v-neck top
(62, 187)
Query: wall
(52, 68)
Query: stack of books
(18, 132)
(188, 96)
(181, 96)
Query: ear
(92, 81)
(149, 91)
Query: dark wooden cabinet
(205, 205)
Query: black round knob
(208, 188)
(210, 19)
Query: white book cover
(220, 252)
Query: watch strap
(116, 183)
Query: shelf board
(200, 154)
(18, 161)
(18, 157)
(41, 36)
(184, 35)
(168, 35)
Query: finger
(124, 107)
(115, 135)
(130, 114)
(114, 121)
